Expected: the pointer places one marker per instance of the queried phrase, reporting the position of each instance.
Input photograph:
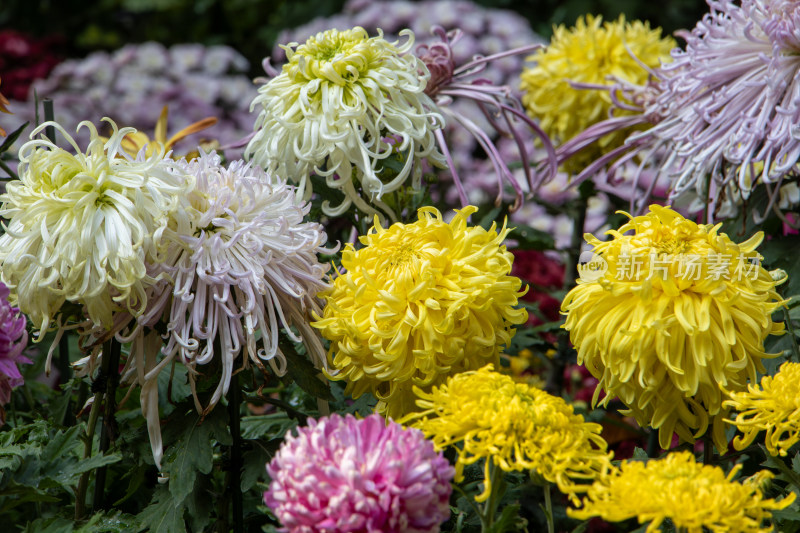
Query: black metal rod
(234, 403)
(49, 115)
(109, 369)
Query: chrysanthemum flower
(418, 303)
(773, 406)
(13, 339)
(514, 426)
(347, 475)
(83, 227)
(676, 310)
(343, 104)
(449, 83)
(589, 55)
(247, 268)
(695, 497)
(726, 106)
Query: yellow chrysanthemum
(665, 315)
(418, 303)
(695, 497)
(589, 53)
(342, 104)
(774, 407)
(83, 227)
(513, 425)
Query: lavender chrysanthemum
(728, 106)
(340, 474)
(245, 268)
(13, 339)
(449, 83)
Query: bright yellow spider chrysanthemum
(674, 310)
(343, 104)
(774, 407)
(514, 425)
(589, 53)
(418, 303)
(695, 497)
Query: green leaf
(266, 426)
(254, 466)
(70, 474)
(639, 455)
(305, 374)
(163, 515)
(13, 136)
(50, 525)
(193, 450)
(509, 520)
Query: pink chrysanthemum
(504, 111)
(347, 475)
(727, 106)
(13, 339)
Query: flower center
(403, 256)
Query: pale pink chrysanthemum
(13, 339)
(449, 83)
(340, 474)
(243, 270)
(728, 106)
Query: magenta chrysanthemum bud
(342, 474)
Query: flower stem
(790, 329)
(495, 491)
(548, 510)
(708, 450)
(234, 403)
(88, 440)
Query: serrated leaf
(193, 451)
(639, 455)
(69, 475)
(796, 463)
(116, 522)
(254, 466)
(266, 426)
(163, 515)
(509, 520)
(199, 505)
(50, 525)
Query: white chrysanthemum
(342, 105)
(84, 226)
(248, 268)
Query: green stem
(88, 440)
(490, 508)
(548, 510)
(11, 173)
(708, 450)
(790, 329)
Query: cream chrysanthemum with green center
(774, 407)
(693, 496)
(514, 426)
(343, 104)
(669, 313)
(84, 226)
(418, 303)
(589, 53)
